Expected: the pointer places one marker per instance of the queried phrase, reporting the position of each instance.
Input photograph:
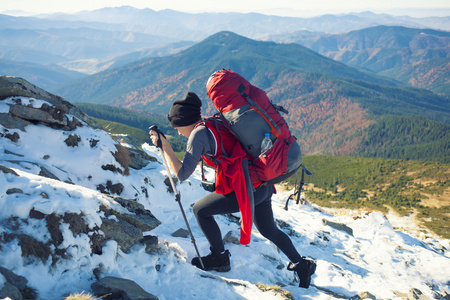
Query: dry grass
(276, 290)
(81, 296)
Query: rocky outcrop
(118, 219)
(54, 113)
(125, 228)
(41, 107)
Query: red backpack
(249, 114)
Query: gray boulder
(15, 287)
(338, 226)
(119, 288)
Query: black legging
(216, 204)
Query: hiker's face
(184, 130)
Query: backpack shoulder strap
(216, 122)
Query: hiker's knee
(196, 209)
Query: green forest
(381, 184)
(407, 137)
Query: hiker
(207, 139)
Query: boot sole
(219, 269)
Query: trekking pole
(174, 189)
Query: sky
(299, 8)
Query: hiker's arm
(173, 161)
(196, 146)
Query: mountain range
(336, 107)
(331, 104)
(419, 57)
(93, 41)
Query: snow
(378, 258)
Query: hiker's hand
(155, 137)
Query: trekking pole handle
(159, 132)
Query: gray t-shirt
(198, 144)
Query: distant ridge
(419, 57)
(331, 104)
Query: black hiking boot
(214, 261)
(304, 270)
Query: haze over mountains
(92, 41)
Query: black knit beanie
(185, 112)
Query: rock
(72, 140)
(169, 185)
(35, 214)
(17, 87)
(8, 170)
(415, 294)
(93, 143)
(32, 247)
(76, 223)
(35, 115)
(15, 287)
(12, 122)
(46, 173)
(112, 168)
(363, 295)
(130, 205)
(19, 281)
(9, 291)
(140, 217)
(150, 242)
(183, 233)
(119, 288)
(231, 238)
(125, 234)
(13, 137)
(338, 226)
(127, 229)
(139, 159)
(144, 222)
(53, 227)
(14, 191)
(110, 188)
(122, 156)
(445, 295)
(16, 154)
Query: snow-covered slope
(377, 258)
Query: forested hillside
(331, 105)
(407, 187)
(419, 57)
(407, 137)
